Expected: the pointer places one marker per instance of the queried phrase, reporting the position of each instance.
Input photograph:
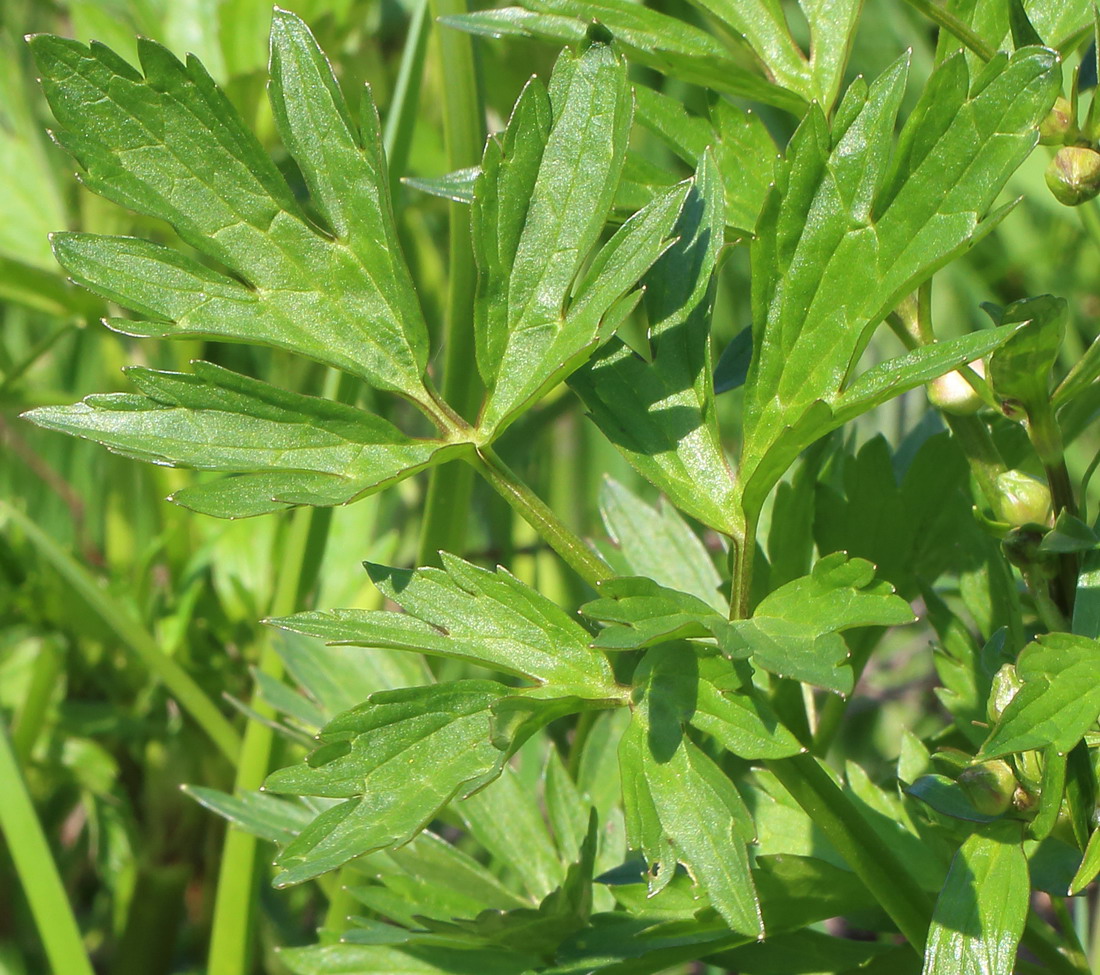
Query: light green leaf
(168, 144)
(1060, 699)
(658, 544)
(469, 613)
(979, 916)
(795, 630)
(307, 450)
(31, 205)
(854, 224)
(398, 758)
(661, 414)
(508, 821)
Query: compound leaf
(854, 224)
(304, 449)
(168, 144)
(469, 613)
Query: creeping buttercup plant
(691, 801)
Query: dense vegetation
(712, 411)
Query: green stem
(31, 714)
(446, 508)
(949, 22)
(535, 512)
(401, 116)
(37, 872)
(870, 858)
(1046, 947)
(134, 636)
(238, 875)
(981, 452)
(743, 555)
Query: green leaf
(743, 149)
(854, 224)
(795, 630)
(308, 450)
(537, 217)
(661, 414)
(398, 758)
(638, 612)
(1060, 699)
(1069, 534)
(1020, 370)
(508, 822)
(669, 787)
(261, 815)
(657, 543)
(563, 912)
(168, 144)
(469, 613)
(946, 796)
(979, 916)
(1090, 865)
(648, 37)
(457, 186)
(349, 959)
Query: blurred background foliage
(102, 746)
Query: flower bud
(989, 786)
(1022, 499)
(953, 394)
(1073, 175)
(1054, 128)
(1005, 685)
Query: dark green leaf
(548, 222)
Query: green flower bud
(1021, 547)
(1005, 685)
(989, 786)
(953, 394)
(1022, 499)
(1054, 128)
(1073, 175)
